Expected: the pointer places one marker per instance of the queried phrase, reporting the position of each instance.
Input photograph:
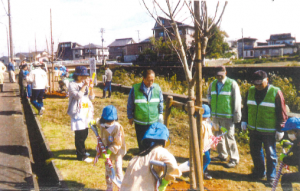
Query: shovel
(158, 178)
(112, 176)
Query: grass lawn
(56, 128)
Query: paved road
(15, 163)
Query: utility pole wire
(4, 8)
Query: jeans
(80, 137)
(37, 98)
(257, 154)
(107, 86)
(206, 160)
(29, 90)
(140, 132)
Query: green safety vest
(146, 112)
(262, 117)
(221, 104)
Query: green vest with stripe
(262, 117)
(146, 111)
(221, 104)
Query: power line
(4, 8)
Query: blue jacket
(130, 103)
(10, 67)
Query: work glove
(163, 185)
(284, 145)
(223, 129)
(161, 118)
(92, 122)
(244, 126)
(282, 156)
(106, 156)
(279, 135)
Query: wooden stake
(168, 110)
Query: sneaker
(41, 111)
(270, 183)
(87, 154)
(231, 164)
(207, 176)
(218, 158)
(88, 160)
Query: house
(186, 31)
(90, 51)
(277, 45)
(4, 59)
(33, 56)
(64, 50)
(117, 48)
(133, 50)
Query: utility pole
(102, 30)
(10, 33)
(35, 48)
(7, 41)
(51, 87)
(243, 43)
(138, 35)
(198, 164)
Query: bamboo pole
(194, 138)
(168, 110)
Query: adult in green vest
(264, 114)
(145, 105)
(225, 100)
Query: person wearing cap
(113, 137)
(145, 105)
(225, 100)
(138, 175)
(264, 114)
(81, 109)
(2, 71)
(292, 127)
(107, 82)
(11, 71)
(38, 79)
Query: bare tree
(203, 32)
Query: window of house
(251, 53)
(163, 22)
(152, 47)
(161, 34)
(180, 32)
(140, 49)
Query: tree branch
(220, 18)
(161, 8)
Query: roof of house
(28, 54)
(90, 46)
(121, 42)
(247, 39)
(270, 46)
(283, 36)
(167, 24)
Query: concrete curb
(62, 184)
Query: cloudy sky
(81, 20)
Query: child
(81, 109)
(292, 126)
(138, 175)
(112, 135)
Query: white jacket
(38, 78)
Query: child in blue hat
(112, 135)
(292, 127)
(138, 175)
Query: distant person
(11, 71)
(107, 82)
(26, 85)
(145, 105)
(38, 78)
(81, 109)
(2, 71)
(225, 100)
(264, 114)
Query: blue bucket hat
(157, 131)
(81, 71)
(206, 113)
(292, 123)
(109, 113)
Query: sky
(81, 20)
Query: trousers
(140, 132)
(80, 137)
(37, 98)
(118, 171)
(227, 145)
